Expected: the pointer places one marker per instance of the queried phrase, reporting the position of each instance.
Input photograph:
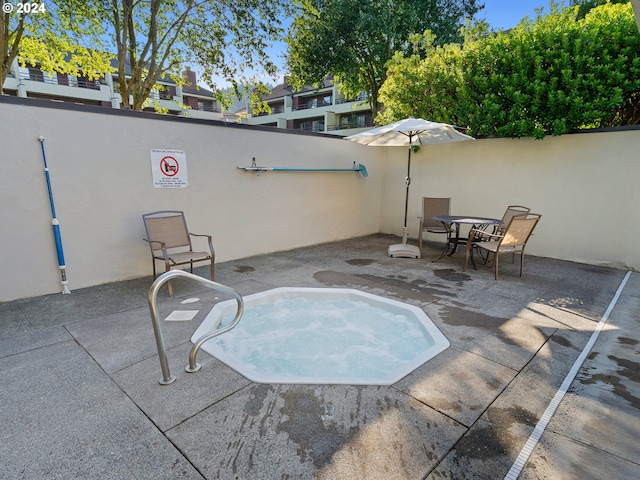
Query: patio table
(452, 223)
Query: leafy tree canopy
(352, 40)
(584, 6)
(156, 38)
(224, 37)
(545, 77)
(57, 37)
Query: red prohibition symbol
(169, 166)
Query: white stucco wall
(584, 185)
(100, 170)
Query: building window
(276, 108)
(50, 78)
(312, 126)
(205, 106)
(357, 120)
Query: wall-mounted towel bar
(357, 167)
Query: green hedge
(546, 77)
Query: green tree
(545, 77)
(56, 36)
(157, 38)
(427, 85)
(153, 39)
(352, 40)
(585, 6)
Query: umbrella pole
(407, 181)
(403, 249)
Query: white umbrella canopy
(408, 133)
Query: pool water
(337, 336)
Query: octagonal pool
(322, 336)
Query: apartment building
(187, 100)
(322, 109)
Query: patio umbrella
(408, 133)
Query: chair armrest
(209, 240)
(479, 235)
(162, 244)
(163, 247)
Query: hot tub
(322, 336)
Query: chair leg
(521, 262)
(169, 287)
(495, 264)
(213, 273)
(466, 257)
(447, 244)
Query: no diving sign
(169, 168)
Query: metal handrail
(167, 378)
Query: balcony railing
(203, 107)
(307, 106)
(314, 127)
(54, 80)
(349, 125)
(277, 109)
(360, 98)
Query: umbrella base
(404, 250)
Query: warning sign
(169, 168)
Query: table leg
(456, 241)
(473, 261)
(447, 243)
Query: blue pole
(55, 224)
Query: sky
(500, 14)
(508, 13)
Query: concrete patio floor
(80, 396)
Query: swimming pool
(322, 336)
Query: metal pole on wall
(55, 224)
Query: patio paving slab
(458, 384)
(326, 432)
(191, 393)
(557, 456)
(495, 439)
(62, 417)
(80, 379)
(32, 340)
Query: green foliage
(157, 38)
(585, 6)
(152, 39)
(546, 77)
(430, 85)
(57, 38)
(352, 40)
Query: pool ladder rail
(193, 366)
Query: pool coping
(436, 340)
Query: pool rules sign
(169, 168)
